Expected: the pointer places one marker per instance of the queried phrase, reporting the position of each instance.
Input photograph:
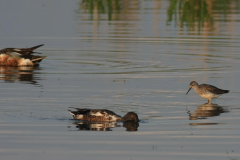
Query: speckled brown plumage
(101, 115)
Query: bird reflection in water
(15, 74)
(206, 110)
(131, 126)
(105, 126)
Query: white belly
(209, 95)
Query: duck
(101, 115)
(20, 56)
(207, 91)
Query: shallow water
(124, 56)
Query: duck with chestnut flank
(20, 57)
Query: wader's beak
(189, 90)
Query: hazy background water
(124, 56)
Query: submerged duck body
(102, 115)
(207, 91)
(20, 56)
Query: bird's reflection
(105, 126)
(204, 111)
(15, 74)
(131, 126)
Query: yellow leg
(210, 101)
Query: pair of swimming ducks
(25, 57)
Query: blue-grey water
(123, 56)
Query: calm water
(124, 56)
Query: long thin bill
(188, 90)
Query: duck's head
(192, 85)
(131, 117)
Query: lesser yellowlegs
(207, 91)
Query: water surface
(123, 56)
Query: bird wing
(212, 89)
(20, 51)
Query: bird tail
(37, 59)
(71, 112)
(35, 47)
(226, 91)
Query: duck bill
(189, 90)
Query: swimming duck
(19, 56)
(101, 115)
